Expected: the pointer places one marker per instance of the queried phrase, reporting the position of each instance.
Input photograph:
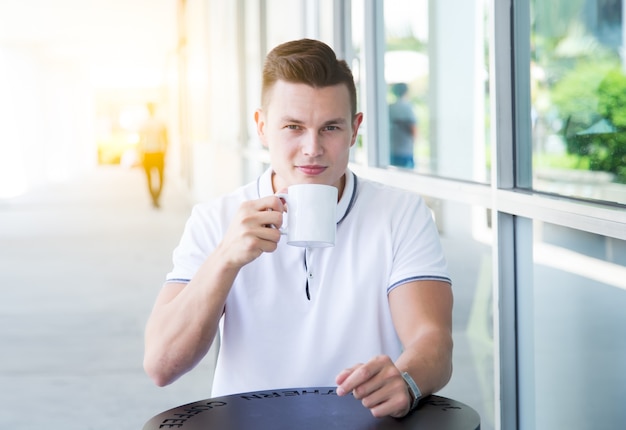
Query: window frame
(513, 203)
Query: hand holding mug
(247, 236)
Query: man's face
(309, 132)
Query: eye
(292, 127)
(331, 128)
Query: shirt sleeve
(418, 254)
(196, 243)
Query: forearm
(428, 359)
(184, 321)
(181, 328)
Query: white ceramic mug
(310, 218)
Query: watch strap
(413, 389)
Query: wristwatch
(414, 390)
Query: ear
(259, 118)
(356, 123)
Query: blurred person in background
(402, 128)
(152, 148)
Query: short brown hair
(306, 61)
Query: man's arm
(183, 323)
(422, 316)
(185, 317)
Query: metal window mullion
(521, 88)
(602, 219)
(502, 102)
(342, 29)
(523, 264)
(470, 193)
(375, 85)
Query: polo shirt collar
(264, 186)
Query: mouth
(311, 170)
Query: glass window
(578, 98)
(436, 78)
(406, 77)
(572, 323)
(466, 238)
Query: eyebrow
(340, 121)
(334, 121)
(291, 119)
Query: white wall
(212, 95)
(46, 118)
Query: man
(380, 301)
(152, 147)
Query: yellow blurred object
(118, 147)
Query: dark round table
(317, 408)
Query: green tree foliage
(575, 96)
(612, 98)
(591, 100)
(608, 153)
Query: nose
(312, 145)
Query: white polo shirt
(272, 335)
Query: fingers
(339, 380)
(362, 375)
(271, 202)
(349, 379)
(264, 217)
(379, 385)
(253, 231)
(261, 213)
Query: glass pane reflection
(578, 94)
(574, 367)
(437, 81)
(406, 75)
(467, 243)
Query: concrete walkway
(81, 264)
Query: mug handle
(283, 230)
